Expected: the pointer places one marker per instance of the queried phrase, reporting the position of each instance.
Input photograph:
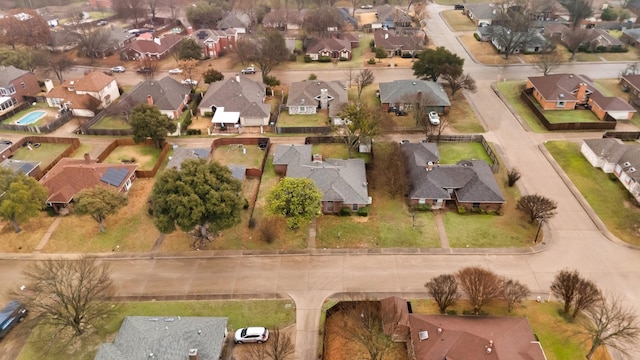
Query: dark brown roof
(633, 80)
(560, 86)
(157, 45)
(473, 337)
(333, 44)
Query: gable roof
(337, 179)
(166, 338)
(470, 337)
(308, 92)
(632, 33)
(70, 176)
(9, 74)
(391, 14)
(611, 103)
(561, 86)
(234, 20)
(315, 45)
(237, 94)
(181, 154)
(167, 93)
(610, 149)
(202, 36)
(481, 11)
(470, 180)
(93, 81)
(633, 80)
(156, 45)
(392, 40)
(408, 90)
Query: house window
(23, 85)
(561, 104)
(354, 207)
(421, 201)
(302, 109)
(476, 205)
(330, 206)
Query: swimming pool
(31, 117)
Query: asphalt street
(309, 278)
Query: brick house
(153, 48)
(306, 97)
(17, 86)
(401, 43)
(569, 91)
(405, 94)
(215, 43)
(333, 48)
(167, 94)
(76, 95)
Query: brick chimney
(193, 354)
(581, 95)
(149, 100)
(87, 158)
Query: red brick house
(16, 87)
(154, 48)
(568, 91)
(214, 43)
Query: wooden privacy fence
(62, 119)
(608, 124)
(128, 142)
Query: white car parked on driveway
(251, 335)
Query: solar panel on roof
(114, 176)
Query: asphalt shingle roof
(164, 338)
(167, 93)
(10, 73)
(19, 166)
(400, 91)
(308, 93)
(237, 94)
(182, 154)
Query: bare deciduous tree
(389, 170)
(68, 294)
(279, 347)
(266, 49)
(358, 125)
(59, 64)
(513, 292)
(574, 39)
(513, 175)
(459, 82)
(611, 324)
(587, 294)
(362, 322)
(537, 206)
(578, 10)
(565, 286)
(363, 79)
(547, 62)
(480, 285)
(444, 290)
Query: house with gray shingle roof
(631, 37)
(614, 156)
(236, 101)
(167, 94)
(237, 21)
(343, 183)
(481, 14)
(181, 154)
(29, 168)
(401, 43)
(167, 338)
(391, 17)
(469, 184)
(333, 48)
(306, 97)
(405, 94)
(16, 87)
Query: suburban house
(331, 48)
(594, 39)
(181, 154)
(17, 86)
(405, 94)
(553, 30)
(469, 184)
(70, 176)
(631, 37)
(29, 168)
(307, 97)
(178, 337)
(531, 41)
(154, 48)
(405, 43)
(631, 85)
(460, 337)
(284, 19)
(343, 183)
(569, 91)
(481, 14)
(167, 94)
(237, 22)
(614, 156)
(391, 17)
(95, 90)
(62, 40)
(214, 43)
(236, 102)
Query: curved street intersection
(309, 278)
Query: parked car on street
(189, 82)
(251, 335)
(434, 118)
(249, 70)
(175, 71)
(12, 314)
(118, 69)
(144, 70)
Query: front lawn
(145, 156)
(269, 313)
(25, 241)
(510, 90)
(44, 154)
(112, 123)
(604, 193)
(458, 21)
(462, 118)
(312, 120)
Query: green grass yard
(145, 156)
(451, 153)
(510, 90)
(312, 120)
(608, 198)
(112, 123)
(269, 313)
(458, 21)
(248, 155)
(45, 154)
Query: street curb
(583, 202)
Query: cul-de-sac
(319, 179)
